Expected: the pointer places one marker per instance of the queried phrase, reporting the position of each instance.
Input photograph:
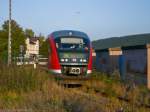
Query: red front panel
(90, 60)
(53, 56)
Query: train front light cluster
(64, 60)
(83, 60)
(74, 59)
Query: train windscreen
(71, 43)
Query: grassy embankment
(25, 89)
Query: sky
(98, 18)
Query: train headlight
(81, 60)
(66, 60)
(74, 60)
(84, 60)
(62, 60)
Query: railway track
(93, 85)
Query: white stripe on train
(59, 71)
(89, 71)
(56, 71)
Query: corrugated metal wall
(136, 60)
(105, 62)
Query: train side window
(57, 46)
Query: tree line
(18, 38)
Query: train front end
(70, 54)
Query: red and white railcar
(70, 53)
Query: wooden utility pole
(148, 66)
(9, 35)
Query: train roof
(61, 33)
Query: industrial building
(134, 48)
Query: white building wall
(32, 48)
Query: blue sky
(98, 18)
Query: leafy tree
(29, 33)
(3, 46)
(41, 39)
(44, 49)
(18, 38)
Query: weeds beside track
(23, 88)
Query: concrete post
(148, 66)
(34, 65)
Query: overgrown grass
(20, 79)
(122, 95)
(26, 89)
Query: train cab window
(71, 43)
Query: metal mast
(9, 35)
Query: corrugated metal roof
(125, 41)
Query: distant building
(32, 47)
(135, 49)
